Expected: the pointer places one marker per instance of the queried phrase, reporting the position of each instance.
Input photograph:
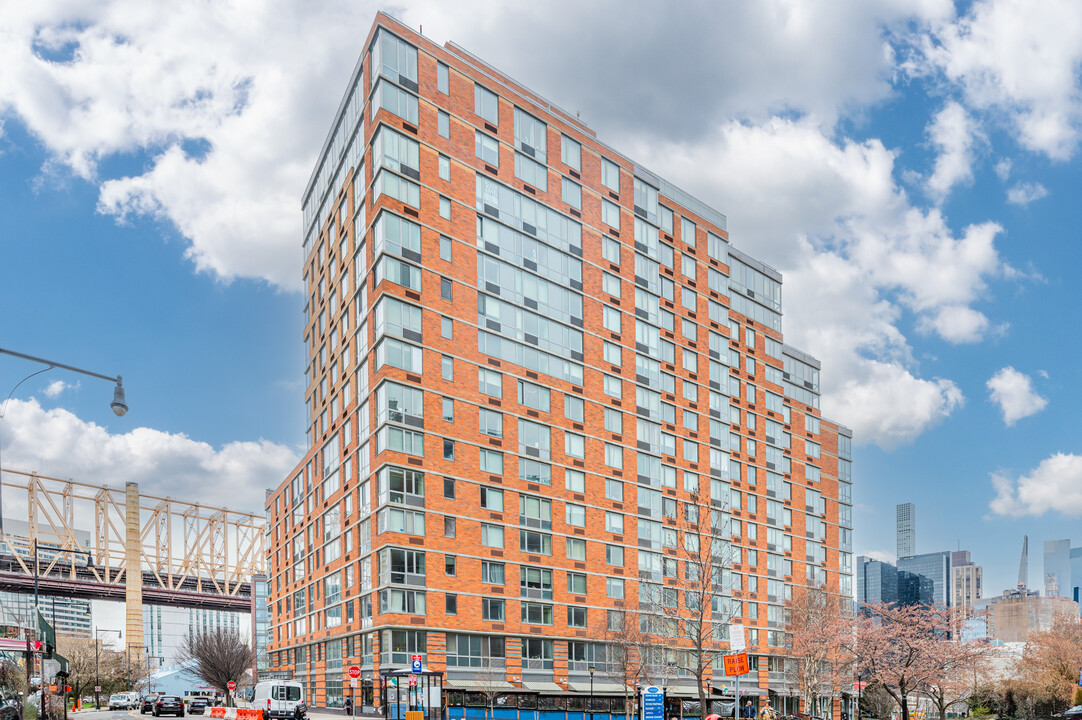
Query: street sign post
(736, 665)
(653, 703)
(736, 638)
(416, 663)
(413, 680)
(97, 688)
(231, 685)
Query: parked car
(147, 704)
(196, 706)
(1075, 712)
(168, 705)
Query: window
(611, 319)
(613, 386)
(445, 168)
(394, 59)
(575, 515)
(445, 208)
(451, 604)
(449, 527)
(614, 455)
(490, 422)
(448, 410)
(574, 445)
(443, 81)
(395, 100)
(610, 250)
(398, 188)
(533, 396)
(397, 152)
(487, 148)
(489, 382)
(449, 488)
(614, 490)
(447, 367)
(446, 289)
(492, 499)
(610, 214)
(614, 555)
(534, 439)
(575, 481)
(571, 153)
(613, 354)
(493, 609)
(492, 536)
(687, 266)
(536, 613)
(614, 421)
(687, 231)
(530, 135)
(486, 104)
(572, 193)
(610, 175)
(576, 583)
(610, 284)
(576, 549)
(574, 408)
(491, 462)
(443, 124)
(530, 171)
(576, 617)
(614, 523)
(448, 449)
(614, 588)
(492, 572)
(445, 249)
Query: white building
(165, 627)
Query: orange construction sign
(736, 664)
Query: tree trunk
(904, 703)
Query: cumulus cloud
(1026, 192)
(1014, 394)
(953, 133)
(1055, 484)
(55, 388)
(881, 556)
(57, 443)
(1018, 59)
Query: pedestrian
(348, 706)
(749, 711)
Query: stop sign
(354, 671)
(231, 685)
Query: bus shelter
(406, 691)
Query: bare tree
(219, 656)
(491, 683)
(629, 657)
(819, 629)
(701, 567)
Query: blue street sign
(416, 663)
(653, 703)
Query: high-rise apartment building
(1057, 568)
(539, 378)
(906, 520)
(68, 616)
(967, 580)
(1076, 574)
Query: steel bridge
(98, 542)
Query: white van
(280, 699)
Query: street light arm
(51, 364)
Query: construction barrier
(217, 712)
(249, 714)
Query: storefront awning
(452, 684)
(600, 688)
(541, 686)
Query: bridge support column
(133, 568)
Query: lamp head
(118, 405)
(591, 669)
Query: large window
(402, 567)
(394, 58)
(394, 100)
(530, 135)
(397, 152)
(486, 104)
(475, 651)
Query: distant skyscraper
(1023, 564)
(966, 580)
(1076, 574)
(935, 566)
(1057, 568)
(877, 581)
(907, 529)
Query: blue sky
(911, 168)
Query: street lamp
(591, 692)
(97, 662)
(119, 405)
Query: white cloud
(1014, 394)
(1026, 192)
(57, 443)
(53, 389)
(1018, 59)
(1003, 169)
(881, 556)
(1055, 484)
(954, 133)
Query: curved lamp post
(119, 406)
